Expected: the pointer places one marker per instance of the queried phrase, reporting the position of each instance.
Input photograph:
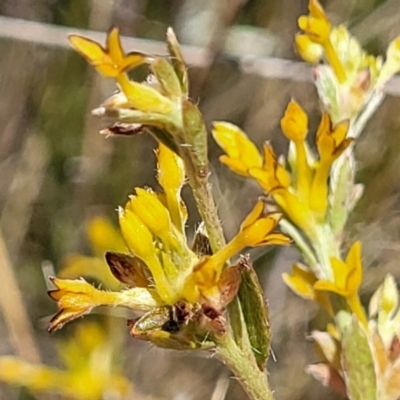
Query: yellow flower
(140, 241)
(331, 140)
(110, 61)
(294, 123)
(331, 143)
(256, 230)
(302, 281)
(171, 176)
(114, 63)
(295, 127)
(242, 154)
(271, 175)
(143, 97)
(77, 297)
(316, 25)
(317, 28)
(347, 278)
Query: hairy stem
(242, 363)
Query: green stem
(192, 144)
(201, 188)
(253, 381)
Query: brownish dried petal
(127, 269)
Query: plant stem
(242, 363)
(201, 188)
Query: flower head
(242, 155)
(111, 60)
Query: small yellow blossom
(242, 154)
(294, 123)
(113, 62)
(316, 25)
(317, 28)
(347, 278)
(148, 207)
(143, 97)
(110, 61)
(140, 241)
(331, 143)
(77, 297)
(171, 176)
(308, 50)
(302, 281)
(256, 230)
(271, 175)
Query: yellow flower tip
(272, 175)
(74, 299)
(254, 215)
(316, 10)
(110, 61)
(331, 140)
(256, 230)
(301, 281)
(242, 154)
(316, 25)
(307, 49)
(136, 234)
(171, 170)
(143, 97)
(148, 207)
(294, 123)
(347, 276)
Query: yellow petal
(137, 236)
(255, 214)
(307, 49)
(147, 206)
(114, 46)
(354, 264)
(242, 154)
(301, 281)
(145, 98)
(294, 123)
(171, 171)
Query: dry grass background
(56, 171)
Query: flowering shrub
(205, 295)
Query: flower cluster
(178, 286)
(349, 78)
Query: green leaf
(255, 312)
(195, 136)
(357, 361)
(177, 61)
(166, 76)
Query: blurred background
(60, 181)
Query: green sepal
(356, 358)
(195, 136)
(166, 76)
(255, 311)
(177, 61)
